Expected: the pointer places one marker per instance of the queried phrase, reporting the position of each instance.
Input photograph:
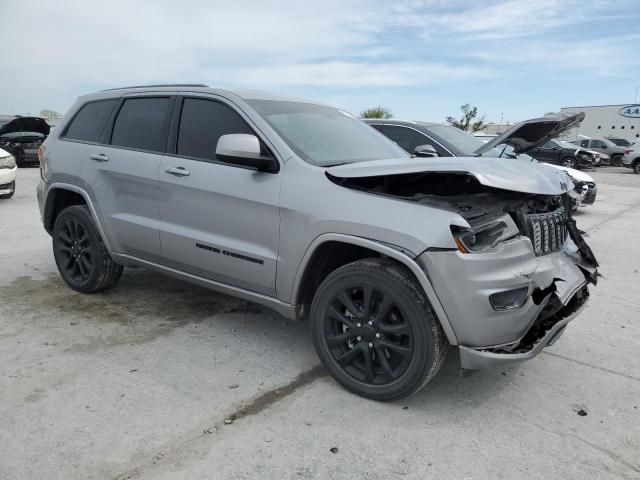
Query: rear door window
(141, 124)
(89, 122)
(202, 123)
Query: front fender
(399, 254)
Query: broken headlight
(485, 235)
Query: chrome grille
(547, 231)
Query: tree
(376, 112)
(468, 122)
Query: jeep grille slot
(547, 231)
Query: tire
(636, 167)
(569, 162)
(616, 161)
(352, 340)
(7, 196)
(81, 256)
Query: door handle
(99, 157)
(178, 171)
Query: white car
(584, 185)
(7, 174)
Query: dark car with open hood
(22, 137)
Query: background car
(448, 141)
(22, 137)
(631, 158)
(561, 152)
(603, 145)
(621, 142)
(7, 174)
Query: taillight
(628, 152)
(41, 151)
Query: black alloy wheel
(367, 334)
(74, 250)
(374, 329)
(81, 256)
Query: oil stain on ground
(140, 308)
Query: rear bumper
(540, 336)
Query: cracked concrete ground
(158, 379)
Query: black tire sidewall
(414, 313)
(573, 162)
(81, 215)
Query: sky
(513, 59)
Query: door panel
(221, 222)
(122, 173)
(126, 195)
(217, 220)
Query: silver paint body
(152, 218)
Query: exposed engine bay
(545, 219)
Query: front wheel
(374, 330)
(81, 256)
(569, 162)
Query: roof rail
(158, 85)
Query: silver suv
(305, 209)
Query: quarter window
(89, 122)
(140, 124)
(202, 123)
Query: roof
(602, 106)
(199, 87)
(395, 121)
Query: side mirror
(244, 150)
(425, 151)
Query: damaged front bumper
(554, 289)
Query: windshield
(325, 136)
(466, 143)
(565, 144)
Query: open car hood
(517, 175)
(531, 134)
(26, 124)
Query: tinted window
(90, 121)
(584, 143)
(202, 123)
(140, 124)
(407, 138)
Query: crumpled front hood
(517, 175)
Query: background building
(606, 121)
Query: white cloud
(67, 48)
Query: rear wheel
(375, 331)
(12, 187)
(81, 256)
(616, 160)
(569, 162)
(636, 167)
